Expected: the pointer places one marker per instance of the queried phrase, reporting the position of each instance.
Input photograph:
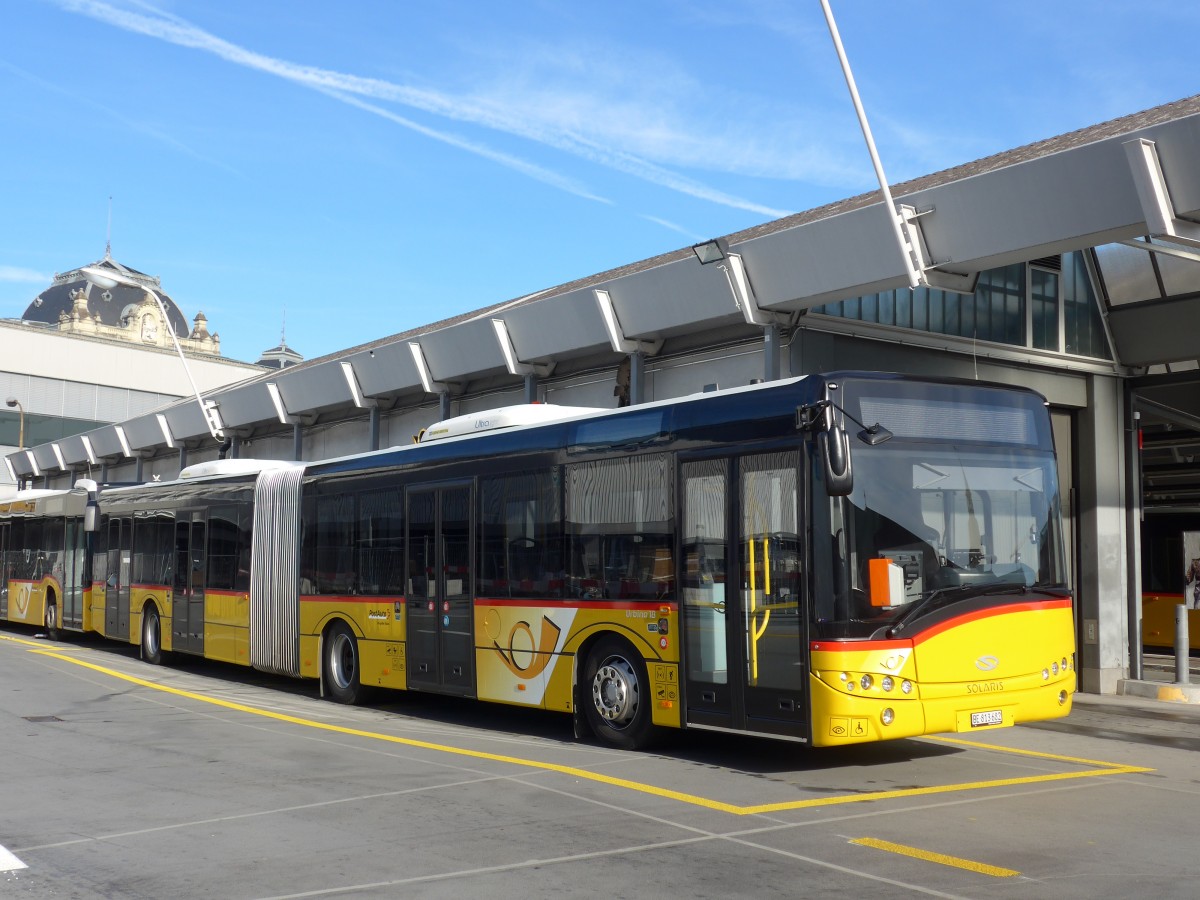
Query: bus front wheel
(341, 664)
(152, 651)
(616, 695)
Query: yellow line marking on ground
(28, 643)
(941, 858)
(979, 745)
(586, 775)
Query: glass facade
(1025, 305)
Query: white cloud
(497, 112)
(19, 274)
(690, 235)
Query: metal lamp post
(105, 278)
(11, 402)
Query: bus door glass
(440, 583)
(116, 586)
(74, 557)
(5, 572)
(187, 602)
(703, 578)
(745, 635)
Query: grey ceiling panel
(1180, 276)
(187, 422)
(247, 404)
(73, 450)
(20, 463)
(144, 432)
(386, 370)
(105, 442)
(46, 460)
(1156, 332)
(681, 295)
(314, 388)
(464, 351)
(557, 327)
(1176, 143)
(1128, 274)
(1046, 204)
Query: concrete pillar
(1101, 584)
(531, 386)
(182, 458)
(637, 378)
(373, 426)
(297, 442)
(444, 404)
(772, 338)
(138, 465)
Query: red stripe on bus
(348, 598)
(956, 621)
(576, 604)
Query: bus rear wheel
(152, 637)
(617, 695)
(341, 670)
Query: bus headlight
(906, 686)
(887, 716)
(866, 682)
(1062, 698)
(1045, 674)
(887, 683)
(1054, 668)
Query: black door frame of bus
(437, 683)
(737, 717)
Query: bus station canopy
(1128, 188)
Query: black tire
(615, 694)
(341, 665)
(152, 651)
(52, 630)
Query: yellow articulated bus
(43, 550)
(832, 559)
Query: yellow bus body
(1005, 665)
(1158, 621)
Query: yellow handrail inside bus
(756, 630)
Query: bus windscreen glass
(962, 502)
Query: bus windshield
(945, 511)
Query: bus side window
(620, 528)
(521, 535)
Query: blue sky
(368, 166)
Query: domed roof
(279, 357)
(110, 304)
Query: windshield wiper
(947, 595)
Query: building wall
(81, 381)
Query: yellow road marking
(1099, 768)
(979, 745)
(941, 858)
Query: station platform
(1158, 680)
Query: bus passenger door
(187, 601)
(74, 557)
(745, 629)
(116, 594)
(4, 565)
(440, 589)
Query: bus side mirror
(834, 446)
(91, 516)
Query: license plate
(991, 717)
